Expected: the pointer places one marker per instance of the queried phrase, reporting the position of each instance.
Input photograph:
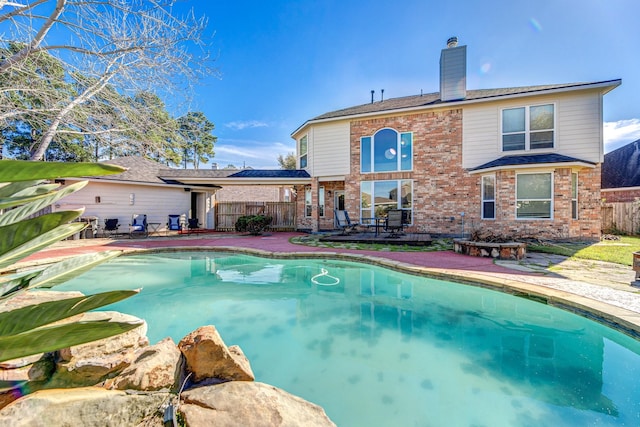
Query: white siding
(578, 127)
(329, 149)
(154, 201)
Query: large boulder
(154, 368)
(242, 403)
(86, 406)
(208, 357)
(91, 363)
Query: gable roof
(433, 99)
(621, 167)
(139, 169)
(523, 161)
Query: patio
(409, 239)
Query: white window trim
(398, 148)
(527, 131)
(399, 186)
(308, 190)
(551, 206)
(577, 214)
(305, 154)
(322, 198)
(482, 200)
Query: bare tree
(109, 49)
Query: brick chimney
(453, 71)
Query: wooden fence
(283, 214)
(621, 217)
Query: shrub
(253, 224)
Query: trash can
(92, 227)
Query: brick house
(518, 162)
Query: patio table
(154, 227)
(376, 222)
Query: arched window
(385, 151)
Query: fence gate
(283, 214)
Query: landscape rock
(20, 362)
(207, 357)
(86, 406)
(91, 363)
(154, 368)
(40, 370)
(35, 297)
(242, 403)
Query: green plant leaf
(9, 189)
(36, 203)
(67, 269)
(15, 235)
(19, 170)
(33, 316)
(39, 242)
(61, 336)
(11, 286)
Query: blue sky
(284, 62)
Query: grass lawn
(616, 251)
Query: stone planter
(636, 264)
(507, 250)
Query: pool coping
(618, 318)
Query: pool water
(376, 347)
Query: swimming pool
(377, 347)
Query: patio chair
(395, 222)
(139, 226)
(173, 223)
(110, 227)
(343, 222)
(193, 225)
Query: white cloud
(622, 132)
(249, 124)
(250, 153)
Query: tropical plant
(26, 189)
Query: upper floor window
(528, 128)
(303, 152)
(385, 151)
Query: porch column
(315, 199)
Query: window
(533, 196)
(321, 201)
(386, 151)
(307, 201)
(574, 196)
(377, 197)
(528, 128)
(489, 197)
(303, 152)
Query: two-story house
(517, 162)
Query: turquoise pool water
(376, 347)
